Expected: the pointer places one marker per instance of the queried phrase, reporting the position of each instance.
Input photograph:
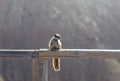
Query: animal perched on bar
(55, 45)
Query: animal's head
(58, 36)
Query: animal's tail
(56, 64)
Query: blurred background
(83, 24)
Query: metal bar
(44, 69)
(81, 53)
(18, 52)
(64, 50)
(45, 53)
(33, 69)
(89, 50)
(39, 69)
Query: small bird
(55, 45)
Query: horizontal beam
(18, 52)
(81, 53)
(63, 53)
(79, 50)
